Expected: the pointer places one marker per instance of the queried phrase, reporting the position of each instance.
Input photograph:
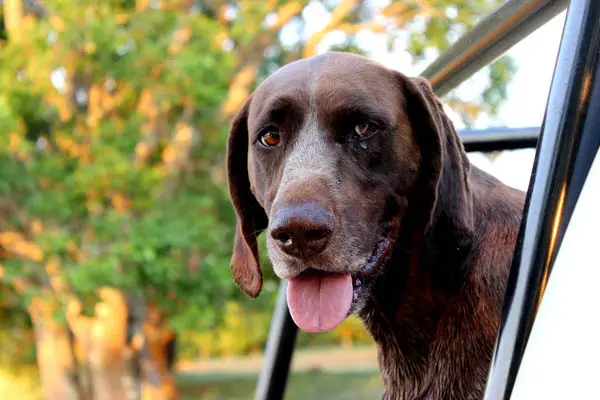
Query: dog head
(333, 156)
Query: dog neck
(430, 327)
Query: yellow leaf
(337, 16)
(36, 226)
(120, 203)
(57, 23)
(221, 38)
(234, 101)
(89, 47)
(245, 76)
(15, 243)
(14, 141)
(142, 151)
(141, 4)
(52, 266)
(341, 10)
(20, 285)
(122, 18)
(71, 246)
(393, 9)
(184, 134)
(181, 37)
(286, 13)
(169, 155)
(13, 18)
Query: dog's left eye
(365, 130)
(270, 139)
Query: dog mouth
(319, 301)
(379, 257)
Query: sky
(527, 95)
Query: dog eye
(270, 139)
(365, 130)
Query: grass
(23, 384)
(314, 384)
(332, 373)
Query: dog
(371, 207)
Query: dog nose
(302, 230)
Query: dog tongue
(319, 302)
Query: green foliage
(443, 22)
(105, 220)
(501, 72)
(226, 339)
(15, 329)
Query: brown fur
(433, 307)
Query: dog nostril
(314, 235)
(283, 238)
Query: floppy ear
(251, 218)
(443, 192)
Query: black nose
(302, 230)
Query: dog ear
(251, 218)
(443, 192)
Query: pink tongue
(319, 302)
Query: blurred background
(115, 224)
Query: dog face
(328, 155)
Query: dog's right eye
(270, 139)
(365, 130)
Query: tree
(115, 227)
(103, 109)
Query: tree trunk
(13, 18)
(54, 356)
(92, 358)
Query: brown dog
(371, 207)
